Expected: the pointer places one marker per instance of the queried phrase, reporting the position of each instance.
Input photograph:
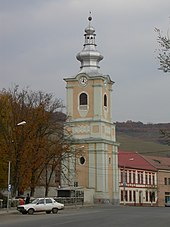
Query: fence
(70, 200)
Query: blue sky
(39, 40)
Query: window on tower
(83, 99)
(105, 100)
(83, 102)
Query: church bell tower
(89, 110)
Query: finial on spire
(90, 17)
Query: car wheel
(55, 210)
(30, 211)
(48, 211)
(24, 212)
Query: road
(103, 216)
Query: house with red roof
(162, 164)
(137, 180)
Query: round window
(82, 160)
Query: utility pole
(20, 124)
(124, 185)
(9, 185)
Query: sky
(39, 41)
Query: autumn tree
(36, 146)
(163, 51)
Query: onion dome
(89, 56)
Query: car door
(48, 204)
(40, 206)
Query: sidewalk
(12, 210)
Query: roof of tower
(89, 56)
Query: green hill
(142, 138)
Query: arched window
(83, 99)
(105, 100)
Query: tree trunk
(32, 191)
(46, 190)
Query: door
(48, 204)
(140, 198)
(40, 206)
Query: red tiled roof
(161, 163)
(134, 160)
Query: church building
(89, 110)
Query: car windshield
(35, 201)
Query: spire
(89, 56)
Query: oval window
(82, 160)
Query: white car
(167, 204)
(47, 205)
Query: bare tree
(164, 61)
(163, 51)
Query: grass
(143, 146)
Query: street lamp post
(9, 174)
(22, 123)
(9, 167)
(9, 185)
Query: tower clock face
(83, 81)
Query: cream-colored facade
(163, 187)
(162, 164)
(89, 110)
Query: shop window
(126, 195)
(146, 196)
(169, 181)
(130, 196)
(121, 195)
(134, 196)
(152, 196)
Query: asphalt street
(97, 216)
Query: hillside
(143, 138)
